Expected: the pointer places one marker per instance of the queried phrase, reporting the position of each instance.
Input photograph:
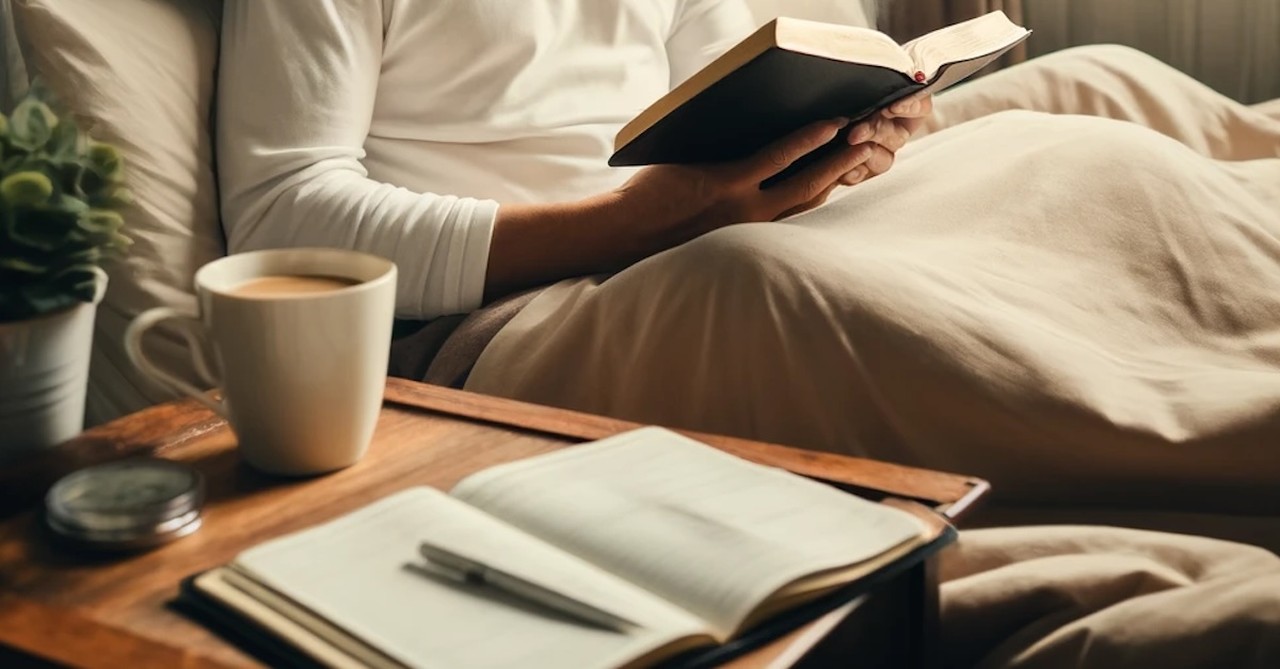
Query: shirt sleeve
(702, 30)
(297, 84)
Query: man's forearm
(539, 243)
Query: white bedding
(1080, 309)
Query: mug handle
(192, 330)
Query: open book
(691, 544)
(793, 72)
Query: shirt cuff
(471, 248)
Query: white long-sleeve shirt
(396, 127)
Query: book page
(355, 573)
(708, 531)
(837, 42)
(983, 38)
(852, 44)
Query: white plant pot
(44, 373)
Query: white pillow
(141, 74)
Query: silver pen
(469, 570)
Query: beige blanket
(1031, 598)
(1083, 310)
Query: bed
(1062, 440)
(1108, 407)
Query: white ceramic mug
(302, 375)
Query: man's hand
(665, 205)
(887, 132)
(684, 201)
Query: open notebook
(694, 545)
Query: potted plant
(60, 199)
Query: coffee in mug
(283, 285)
(298, 340)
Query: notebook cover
(264, 646)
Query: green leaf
(64, 144)
(42, 228)
(100, 221)
(119, 242)
(115, 198)
(32, 124)
(89, 256)
(71, 204)
(47, 297)
(69, 178)
(21, 265)
(106, 161)
(4, 126)
(26, 188)
(92, 183)
(78, 280)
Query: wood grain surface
(425, 436)
(950, 494)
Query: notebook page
(708, 531)
(331, 648)
(352, 572)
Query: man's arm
(296, 92)
(297, 85)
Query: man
(467, 140)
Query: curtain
(1231, 45)
(907, 19)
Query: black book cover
(775, 93)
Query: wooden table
(113, 612)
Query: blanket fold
(1081, 306)
(1102, 597)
